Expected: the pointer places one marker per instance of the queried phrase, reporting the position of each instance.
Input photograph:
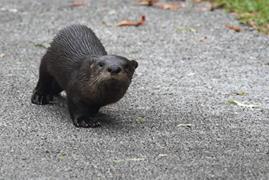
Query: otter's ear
(134, 64)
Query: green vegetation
(252, 12)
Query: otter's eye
(101, 64)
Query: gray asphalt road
(175, 122)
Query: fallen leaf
(234, 28)
(42, 45)
(235, 102)
(170, 6)
(147, 2)
(2, 55)
(77, 3)
(61, 156)
(9, 10)
(132, 23)
(185, 125)
(13, 10)
(129, 159)
(163, 155)
(252, 23)
(140, 120)
(203, 39)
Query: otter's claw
(86, 123)
(40, 99)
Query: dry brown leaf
(234, 28)
(252, 24)
(170, 6)
(132, 23)
(77, 3)
(147, 2)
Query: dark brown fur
(78, 63)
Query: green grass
(252, 12)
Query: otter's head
(112, 76)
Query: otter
(76, 62)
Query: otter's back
(77, 41)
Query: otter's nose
(114, 69)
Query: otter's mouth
(113, 84)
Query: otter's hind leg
(46, 87)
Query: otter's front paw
(86, 122)
(41, 99)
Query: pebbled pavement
(175, 122)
